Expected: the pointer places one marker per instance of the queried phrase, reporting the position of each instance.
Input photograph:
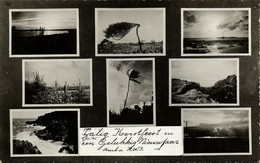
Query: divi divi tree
(118, 30)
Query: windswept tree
(132, 76)
(118, 30)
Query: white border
(55, 60)
(221, 104)
(35, 110)
(216, 54)
(129, 9)
(215, 154)
(154, 94)
(43, 55)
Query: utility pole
(186, 123)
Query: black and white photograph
(204, 82)
(130, 92)
(57, 82)
(216, 31)
(217, 131)
(130, 31)
(44, 132)
(43, 32)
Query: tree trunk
(139, 42)
(127, 92)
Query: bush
(35, 91)
(133, 116)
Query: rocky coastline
(24, 147)
(59, 126)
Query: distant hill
(188, 92)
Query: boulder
(24, 147)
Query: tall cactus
(65, 88)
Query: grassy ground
(131, 48)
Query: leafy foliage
(36, 92)
(130, 48)
(133, 116)
(224, 91)
(118, 30)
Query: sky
(213, 23)
(65, 70)
(49, 19)
(35, 113)
(221, 117)
(118, 82)
(204, 71)
(151, 21)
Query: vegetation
(117, 31)
(36, 92)
(130, 48)
(137, 115)
(223, 91)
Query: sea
(23, 131)
(36, 33)
(216, 45)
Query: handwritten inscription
(129, 140)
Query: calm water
(22, 131)
(36, 33)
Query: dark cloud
(244, 27)
(230, 26)
(241, 24)
(145, 67)
(190, 19)
(244, 16)
(226, 124)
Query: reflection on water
(37, 33)
(215, 45)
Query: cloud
(190, 19)
(117, 89)
(230, 25)
(146, 95)
(238, 114)
(244, 27)
(240, 23)
(66, 71)
(118, 84)
(122, 66)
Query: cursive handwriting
(121, 139)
